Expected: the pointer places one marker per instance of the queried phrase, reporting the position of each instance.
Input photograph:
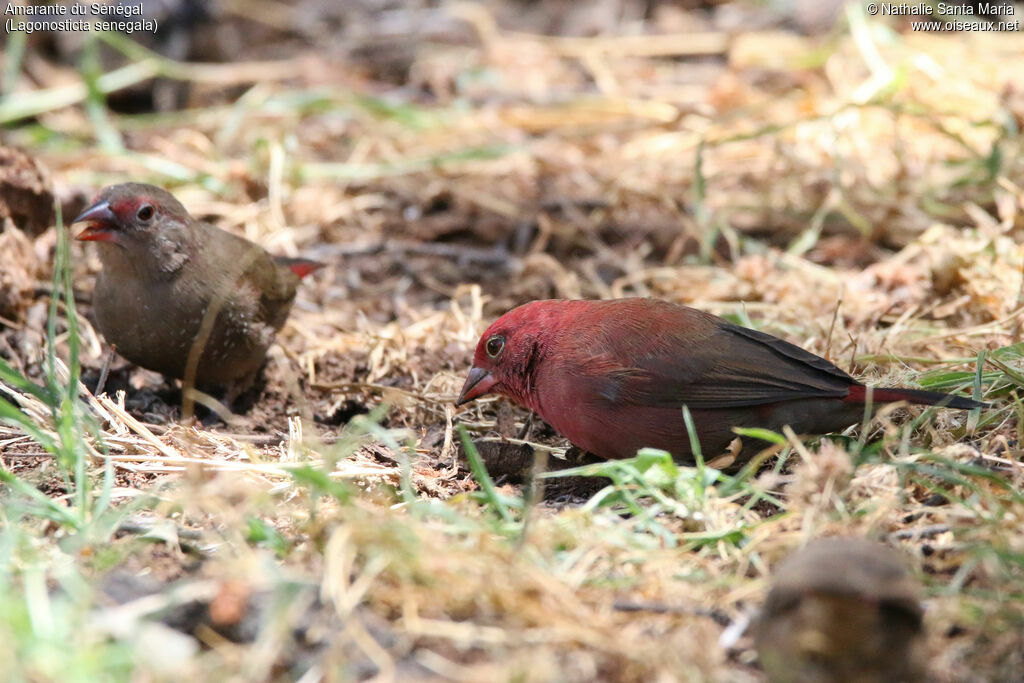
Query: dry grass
(860, 195)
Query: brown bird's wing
(255, 287)
(705, 362)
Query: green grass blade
(483, 478)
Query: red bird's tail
(300, 266)
(858, 394)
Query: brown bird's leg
(105, 370)
(236, 389)
(242, 385)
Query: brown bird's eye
(495, 346)
(145, 212)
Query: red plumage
(612, 377)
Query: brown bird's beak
(103, 223)
(478, 383)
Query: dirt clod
(26, 193)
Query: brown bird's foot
(242, 394)
(233, 393)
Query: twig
(375, 388)
(137, 427)
(832, 327)
(718, 616)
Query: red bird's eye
(494, 346)
(145, 212)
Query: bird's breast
(157, 324)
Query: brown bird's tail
(300, 266)
(858, 394)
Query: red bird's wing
(729, 367)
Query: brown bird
(182, 297)
(613, 376)
(841, 610)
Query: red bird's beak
(478, 383)
(103, 222)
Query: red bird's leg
(524, 433)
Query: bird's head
(131, 214)
(509, 352)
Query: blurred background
(620, 133)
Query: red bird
(612, 377)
